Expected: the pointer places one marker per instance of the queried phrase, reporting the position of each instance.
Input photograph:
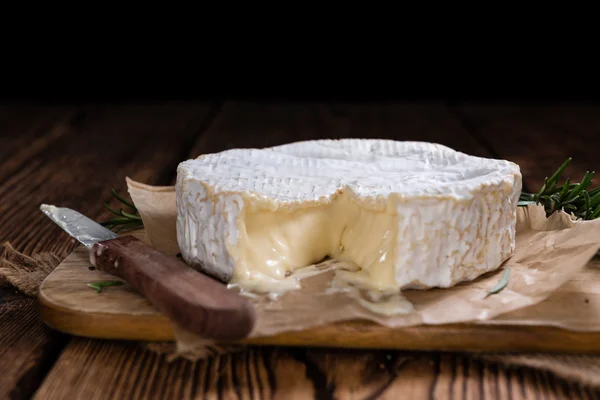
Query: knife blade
(193, 300)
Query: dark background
(123, 80)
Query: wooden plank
(101, 369)
(27, 348)
(73, 159)
(461, 376)
(26, 124)
(538, 138)
(109, 369)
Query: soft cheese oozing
(409, 214)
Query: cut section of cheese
(406, 214)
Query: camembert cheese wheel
(407, 214)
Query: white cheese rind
(410, 214)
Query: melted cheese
(272, 245)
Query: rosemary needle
(501, 283)
(99, 285)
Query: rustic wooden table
(74, 155)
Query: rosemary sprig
(124, 220)
(572, 198)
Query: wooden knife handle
(193, 300)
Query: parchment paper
(549, 252)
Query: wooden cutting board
(67, 304)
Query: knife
(196, 302)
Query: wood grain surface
(121, 370)
(73, 155)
